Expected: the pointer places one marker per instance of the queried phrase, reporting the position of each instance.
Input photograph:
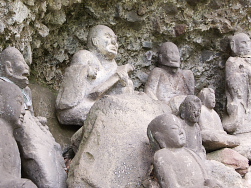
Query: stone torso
(165, 85)
(180, 168)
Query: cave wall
(49, 32)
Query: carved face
(169, 55)
(12, 104)
(173, 133)
(106, 43)
(18, 71)
(210, 100)
(19, 110)
(192, 113)
(242, 44)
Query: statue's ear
(8, 68)
(160, 58)
(182, 114)
(159, 138)
(95, 41)
(232, 45)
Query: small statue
(238, 86)
(190, 110)
(11, 117)
(91, 75)
(213, 135)
(175, 165)
(168, 80)
(33, 137)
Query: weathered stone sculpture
(11, 117)
(91, 75)
(41, 157)
(213, 135)
(115, 151)
(190, 110)
(174, 165)
(168, 80)
(238, 85)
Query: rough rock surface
(44, 105)
(245, 145)
(226, 175)
(41, 156)
(115, 151)
(50, 32)
(230, 158)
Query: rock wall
(49, 32)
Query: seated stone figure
(11, 117)
(175, 165)
(91, 75)
(190, 110)
(168, 80)
(213, 135)
(238, 86)
(41, 157)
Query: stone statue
(91, 75)
(190, 110)
(238, 86)
(175, 166)
(213, 135)
(168, 80)
(41, 157)
(11, 117)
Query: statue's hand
(122, 72)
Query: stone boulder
(245, 145)
(115, 150)
(41, 155)
(224, 174)
(230, 158)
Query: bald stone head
(14, 67)
(103, 41)
(11, 103)
(165, 131)
(240, 44)
(190, 109)
(207, 97)
(169, 55)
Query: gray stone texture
(64, 25)
(41, 156)
(230, 158)
(115, 151)
(12, 117)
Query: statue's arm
(152, 83)
(120, 75)
(164, 171)
(190, 82)
(233, 78)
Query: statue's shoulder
(157, 70)
(84, 57)
(188, 74)
(161, 154)
(232, 60)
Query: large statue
(168, 80)
(213, 135)
(11, 117)
(91, 75)
(174, 165)
(41, 157)
(238, 86)
(190, 110)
